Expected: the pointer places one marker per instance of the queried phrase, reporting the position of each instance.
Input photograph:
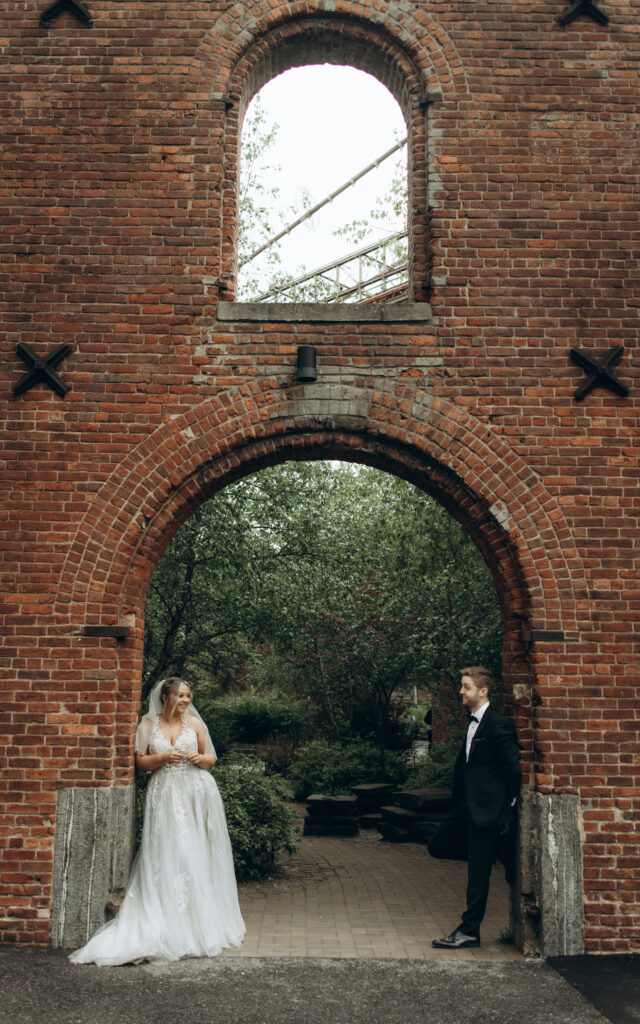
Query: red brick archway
(504, 506)
(503, 503)
(417, 32)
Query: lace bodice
(186, 742)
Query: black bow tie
(474, 719)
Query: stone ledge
(323, 312)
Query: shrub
(436, 769)
(257, 715)
(220, 722)
(324, 767)
(279, 752)
(260, 824)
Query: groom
(486, 783)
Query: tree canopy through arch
(305, 564)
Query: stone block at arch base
(95, 839)
(547, 914)
(94, 844)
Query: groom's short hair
(481, 676)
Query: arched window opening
(323, 191)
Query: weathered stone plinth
(94, 840)
(547, 898)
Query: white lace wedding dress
(181, 899)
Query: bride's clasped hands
(176, 757)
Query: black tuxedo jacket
(490, 779)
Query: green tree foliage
(262, 214)
(362, 655)
(195, 608)
(325, 581)
(256, 715)
(257, 200)
(436, 770)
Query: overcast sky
(333, 122)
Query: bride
(181, 899)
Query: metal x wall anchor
(599, 371)
(75, 7)
(41, 369)
(582, 8)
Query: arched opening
(226, 578)
(323, 190)
(309, 603)
(339, 42)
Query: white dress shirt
(474, 725)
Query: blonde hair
(481, 676)
(171, 687)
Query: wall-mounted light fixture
(306, 371)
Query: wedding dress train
(181, 899)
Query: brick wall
(118, 189)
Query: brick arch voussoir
(312, 41)
(494, 481)
(244, 26)
(475, 474)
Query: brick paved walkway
(343, 897)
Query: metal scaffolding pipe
(319, 271)
(324, 202)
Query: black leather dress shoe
(457, 940)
